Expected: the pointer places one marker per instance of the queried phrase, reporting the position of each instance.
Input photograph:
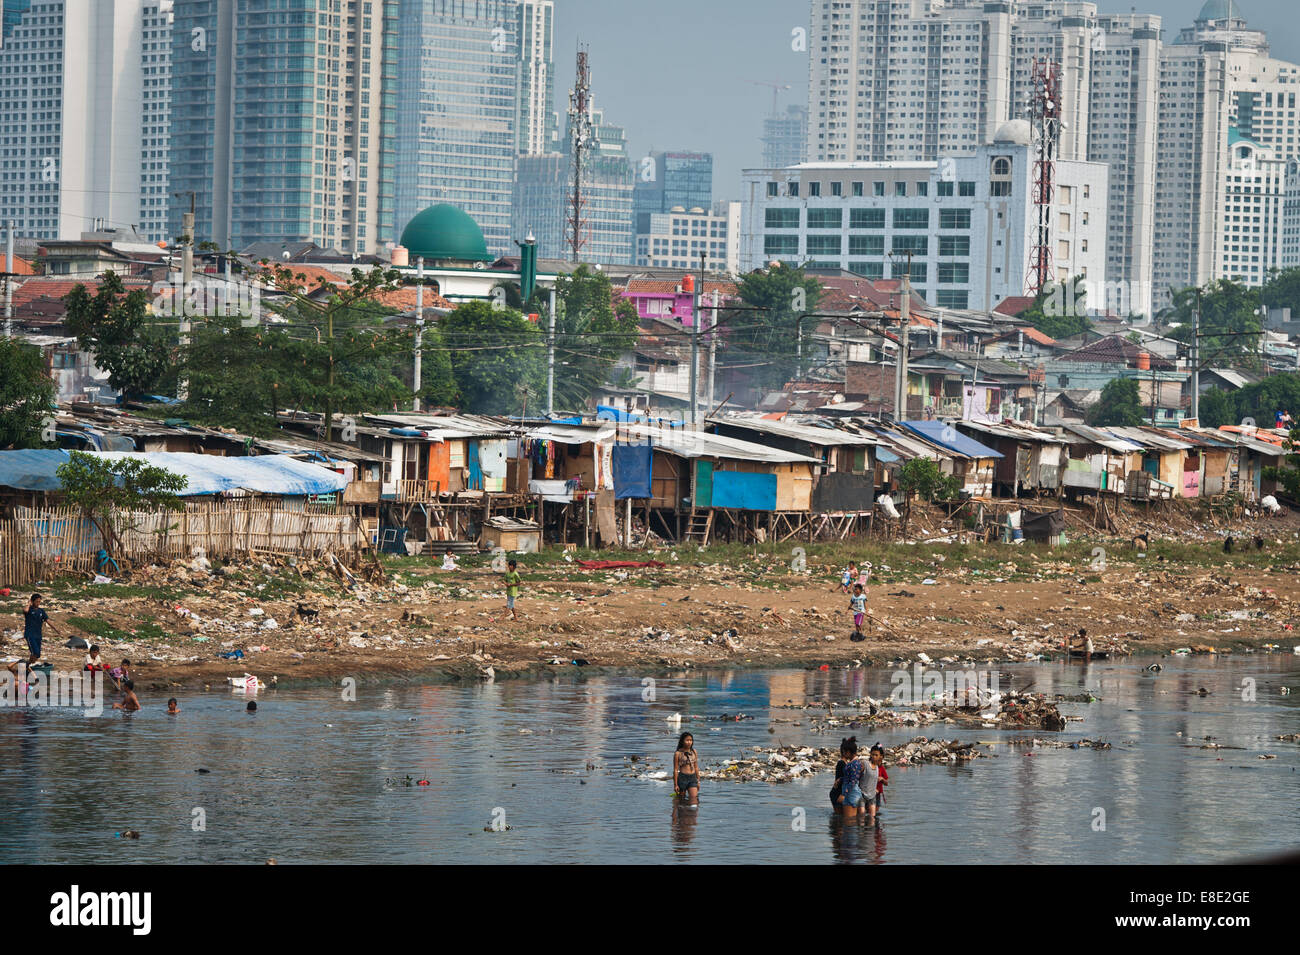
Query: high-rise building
(1125, 91)
(155, 119)
(281, 122)
(961, 227)
(785, 138)
(74, 115)
(542, 199)
(1220, 92)
(536, 31)
(669, 180)
(676, 239)
(915, 79)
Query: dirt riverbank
(732, 607)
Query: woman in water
(852, 798)
(686, 770)
(838, 788)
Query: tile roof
(1014, 304)
(669, 287)
(1116, 350)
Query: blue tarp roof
(954, 440)
(205, 473)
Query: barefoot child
(858, 604)
(877, 758)
(850, 574)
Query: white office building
(1220, 92)
(963, 225)
(904, 80)
(677, 238)
(74, 117)
(1253, 193)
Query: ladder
(699, 527)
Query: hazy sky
(680, 74)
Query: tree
(592, 330)
(107, 491)
(922, 476)
(1120, 405)
(1282, 290)
(1229, 325)
(115, 326)
(1060, 309)
(26, 394)
(766, 341)
(1218, 407)
(343, 356)
(494, 352)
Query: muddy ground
(728, 606)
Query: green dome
(445, 232)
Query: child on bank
(858, 606)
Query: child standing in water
(686, 770)
(877, 758)
(858, 605)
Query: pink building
(672, 300)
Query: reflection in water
(311, 778)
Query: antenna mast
(1045, 118)
(581, 139)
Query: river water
(311, 778)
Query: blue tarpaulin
(607, 413)
(632, 468)
(204, 473)
(947, 436)
(744, 491)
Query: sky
(684, 74)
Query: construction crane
(777, 89)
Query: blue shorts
(853, 796)
(510, 603)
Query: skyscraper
(474, 87)
(668, 180)
(73, 115)
(155, 119)
(536, 30)
(1220, 93)
(281, 126)
(785, 138)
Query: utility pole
(187, 276)
(550, 360)
(9, 279)
(713, 347)
(1196, 359)
(695, 348)
(581, 142)
(905, 323)
(418, 382)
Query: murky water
(304, 779)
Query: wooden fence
(40, 543)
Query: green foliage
(1060, 309)
(1282, 290)
(496, 354)
(1260, 401)
(105, 490)
(117, 328)
(26, 394)
(1120, 405)
(768, 340)
(592, 329)
(922, 476)
(1229, 327)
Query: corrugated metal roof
(1104, 438)
(205, 473)
(700, 444)
(1151, 438)
(448, 427)
(822, 435)
(948, 437)
(1014, 431)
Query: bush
(922, 476)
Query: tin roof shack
(1032, 459)
(1217, 456)
(973, 463)
(968, 387)
(897, 446)
(234, 506)
(570, 468)
(1161, 473)
(1097, 460)
(844, 489)
(1254, 455)
(714, 485)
